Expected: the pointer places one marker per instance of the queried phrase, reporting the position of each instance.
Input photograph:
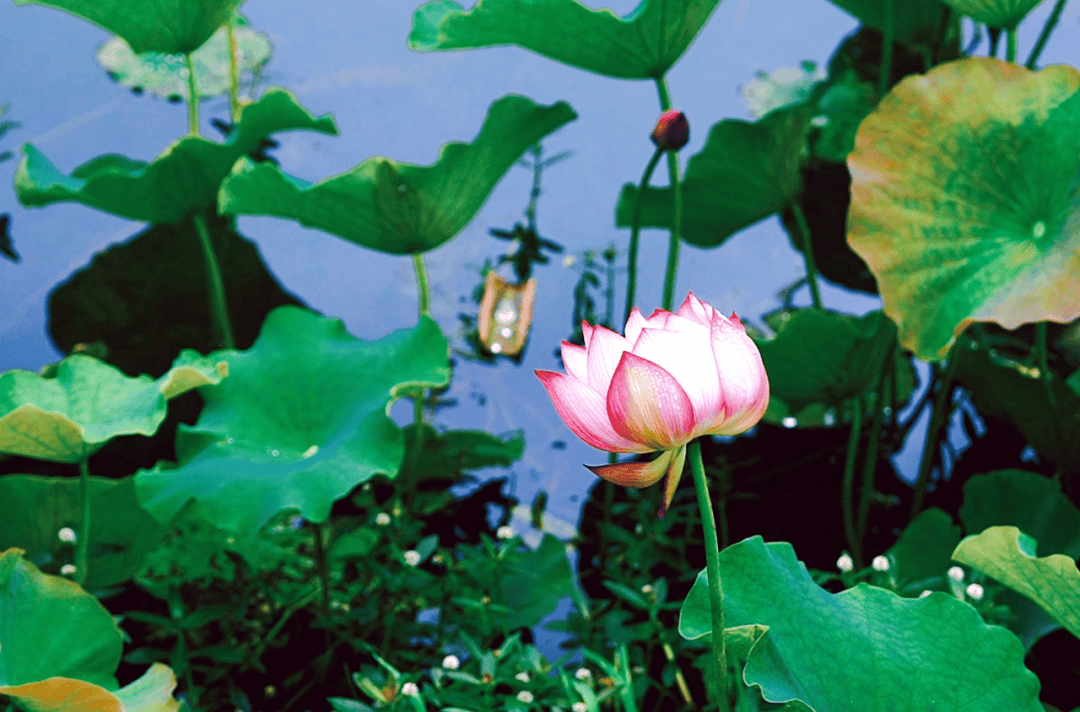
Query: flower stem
(218, 306)
(1010, 45)
(234, 71)
(1051, 23)
(885, 381)
(885, 69)
(82, 546)
(808, 254)
(422, 284)
(937, 420)
(193, 97)
(712, 559)
(848, 494)
(676, 224)
(635, 234)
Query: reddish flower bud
(672, 131)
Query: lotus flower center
(1039, 230)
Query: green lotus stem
(1051, 23)
(234, 71)
(1010, 45)
(218, 307)
(193, 97)
(422, 284)
(885, 380)
(676, 225)
(808, 254)
(635, 233)
(937, 420)
(1044, 364)
(321, 569)
(848, 493)
(885, 70)
(82, 546)
(680, 679)
(712, 567)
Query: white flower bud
(412, 557)
(582, 674)
(956, 574)
(382, 519)
(450, 662)
(579, 707)
(647, 589)
(569, 261)
(525, 696)
(975, 591)
(880, 563)
(67, 535)
(845, 564)
(504, 532)
(67, 570)
(410, 689)
(925, 593)
(523, 676)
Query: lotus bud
(672, 131)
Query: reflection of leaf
(745, 173)
(183, 179)
(965, 201)
(1008, 555)
(300, 421)
(906, 648)
(165, 75)
(394, 207)
(642, 45)
(171, 26)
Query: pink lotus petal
(671, 480)
(573, 359)
(635, 474)
(586, 330)
(696, 310)
(743, 383)
(645, 404)
(634, 325)
(604, 349)
(689, 359)
(585, 411)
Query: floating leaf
(184, 178)
(300, 421)
(49, 627)
(1004, 14)
(165, 75)
(121, 533)
(170, 26)
(394, 207)
(1008, 555)
(642, 45)
(68, 417)
(884, 653)
(745, 173)
(964, 199)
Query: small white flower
(956, 574)
(845, 564)
(523, 676)
(67, 535)
(975, 591)
(410, 689)
(525, 696)
(880, 563)
(412, 557)
(579, 707)
(647, 589)
(450, 662)
(582, 674)
(67, 570)
(505, 532)
(569, 261)
(382, 519)
(925, 593)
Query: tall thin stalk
(847, 494)
(193, 97)
(1051, 23)
(635, 234)
(676, 190)
(234, 72)
(218, 307)
(808, 254)
(82, 546)
(938, 418)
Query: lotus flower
(670, 379)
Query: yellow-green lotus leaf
(995, 13)
(965, 199)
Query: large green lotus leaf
(184, 178)
(915, 22)
(825, 357)
(965, 199)
(301, 421)
(165, 75)
(923, 552)
(50, 627)
(170, 26)
(745, 173)
(121, 533)
(150, 693)
(394, 207)
(864, 649)
(642, 45)
(1008, 555)
(995, 13)
(68, 417)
